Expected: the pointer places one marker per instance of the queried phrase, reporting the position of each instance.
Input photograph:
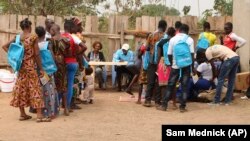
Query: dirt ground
(110, 120)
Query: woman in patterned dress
(27, 90)
(59, 44)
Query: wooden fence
(118, 32)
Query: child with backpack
(49, 91)
(164, 67)
(206, 38)
(180, 54)
(152, 65)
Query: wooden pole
(122, 33)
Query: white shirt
(90, 81)
(240, 41)
(76, 39)
(47, 35)
(173, 41)
(206, 71)
(41, 45)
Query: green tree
(49, 7)
(158, 10)
(186, 9)
(148, 10)
(224, 7)
(207, 13)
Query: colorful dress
(163, 73)
(27, 91)
(50, 94)
(58, 48)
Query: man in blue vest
(125, 55)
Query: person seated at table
(97, 55)
(125, 55)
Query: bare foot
(138, 102)
(175, 107)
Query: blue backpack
(165, 52)
(15, 54)
(156, 48)
(146, 60)
(47, 59)
(85, 63)
(202, 42)
(181, 53)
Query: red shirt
(71, 59)
(228, 42)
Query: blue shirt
(120, 56)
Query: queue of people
(165, 65)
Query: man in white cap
(121, 55)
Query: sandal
(129, 92)
(43, 119)
(48, 119)
(26, 117)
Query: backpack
(47, 60)
(156, 48)
(165, 52)
(85, 63)
(202, 42)
(146, 60)
(182, 54)
(15, 54)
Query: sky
(179, 4)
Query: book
(45, 79)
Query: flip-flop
(43, 119)
(27, 117)
(129, 92)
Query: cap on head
(125, 46)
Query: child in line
(49, 91)
(88, 92)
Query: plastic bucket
(7, 82)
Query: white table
(93, 64)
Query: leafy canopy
(49, 7)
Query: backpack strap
(155, 55)
(46, 45)
(203, 35)
(180, 73)
(185, 38)
(71, 41)
(18, 38)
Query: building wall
(241, 25)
